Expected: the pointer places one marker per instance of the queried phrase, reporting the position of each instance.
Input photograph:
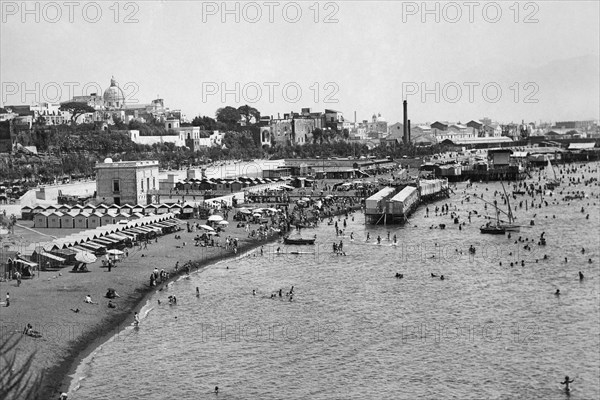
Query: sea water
(354, 331)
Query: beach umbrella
(223, 223)
(115, 252)
(215, 218)
(85, 257)
(211, 233)
(257, 215)
(305, 199)
(206, 227)
(245, 211)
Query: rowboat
(298, 241)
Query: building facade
(126, 182)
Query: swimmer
(581, 276)
(557, 293)
(567, 382)
(253, 292)
(442, 277)
(589, 260)
(197, 292)
(433, 275)
(216, 390)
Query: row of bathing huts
(99, 241)
(394, 204)
(90, 216)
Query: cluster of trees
(76, 148)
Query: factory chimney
(405, 122)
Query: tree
(229, 116)
(248, 113)
(345, 133)
(318, 135)
(208, 123)
(76, 109)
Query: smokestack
(355, 117)
(408, 131)
(405, 122)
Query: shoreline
(62, 375)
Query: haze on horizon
(542, 56)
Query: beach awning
(215, 218)
(118, 236)
(25, 262)
(79, 249)
(138, 231)
(155, 228)
(129, 234)
(105, 241)
(52, 257)
(92, 245)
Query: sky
(453, 61)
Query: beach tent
(96, 248)
(107, 219)
(47, 259)
(94, 220)
(81, 220)
(24, 267)
(127, 208)
(67, 254)
(40, 220)
(89, 208)
(67, 220)
(102, 209)
(64, 208)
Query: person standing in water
(136, 319)
(567, 382)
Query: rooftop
(126, 164)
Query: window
(116, 185)
(153, 182)
(148, 183)
(142, 184)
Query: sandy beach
(48, 300)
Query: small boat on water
(298, 241)
(493, 229)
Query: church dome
(113, 96)
(380, 118)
